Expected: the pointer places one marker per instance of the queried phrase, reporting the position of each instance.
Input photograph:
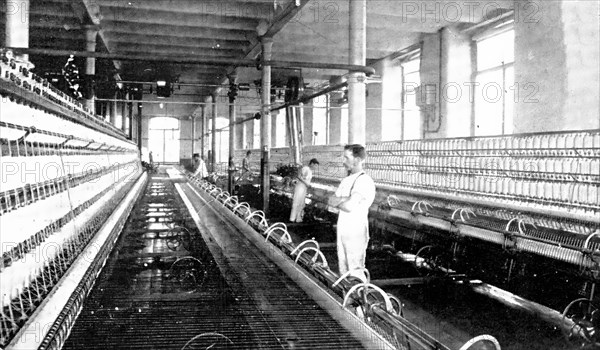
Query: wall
(556, 55)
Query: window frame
(486, 33)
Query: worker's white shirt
(201, 172)
(356, 222)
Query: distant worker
(302, 184)
(200, 170)
(246, 166)
(353, 198)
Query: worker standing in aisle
(303, 180)
(353, 198)
(200, 170)
(246, 166)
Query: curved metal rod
(233, 199)
(522, 226)
(481, 337)
(509, 223)
(204, 335)
(274, 226)
(284, 235)
(412, 209)
(218, 189)
(305, 243)
(589, 238)
(418, 206)
(345, 275)
(454, 213)
(260, 214)
(186, 258)
(396, 301)
(219, 196)
(392, 200)
(244, 205)
(223, 194)
(388, 304)
(467, 211)
(314, 259)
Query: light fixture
(163, 88)
(161, 105)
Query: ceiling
(303, 30)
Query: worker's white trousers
(352, 249)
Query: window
(494, 84)
(256, 139)
(320, 111)
(411, 114)
(391, 112)
(344, 124)
(280, 128)
(401, 117)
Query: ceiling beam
(88, 13)
(177, 19)
(271, 29)
(123, 48)
(172, 30)
(225, 8)
(174, 40)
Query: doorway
(163, 139)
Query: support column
(231, 166)
(203, 129)
(139, 126)
(113, 108)
(90, 70)
(17, 28)
(193, 135)
(130, 116)
(249, 130)
(356, 81)
(124, 115)
(213, 159)
(265, 122)
(132, 122)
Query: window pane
(281, 131)
(412, 113)
(488, 103)
(344, 125)
(391, 113)
(509, 102)
(491, 52)
(319, 120)
(256, 136)
(412, 125)
(164, 123)
(411, 66)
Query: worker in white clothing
(200, 170)
(353, 198)
(302, 184)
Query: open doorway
(163, 139)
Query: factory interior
(158, 189)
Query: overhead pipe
(292, 103)
(217, 61)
